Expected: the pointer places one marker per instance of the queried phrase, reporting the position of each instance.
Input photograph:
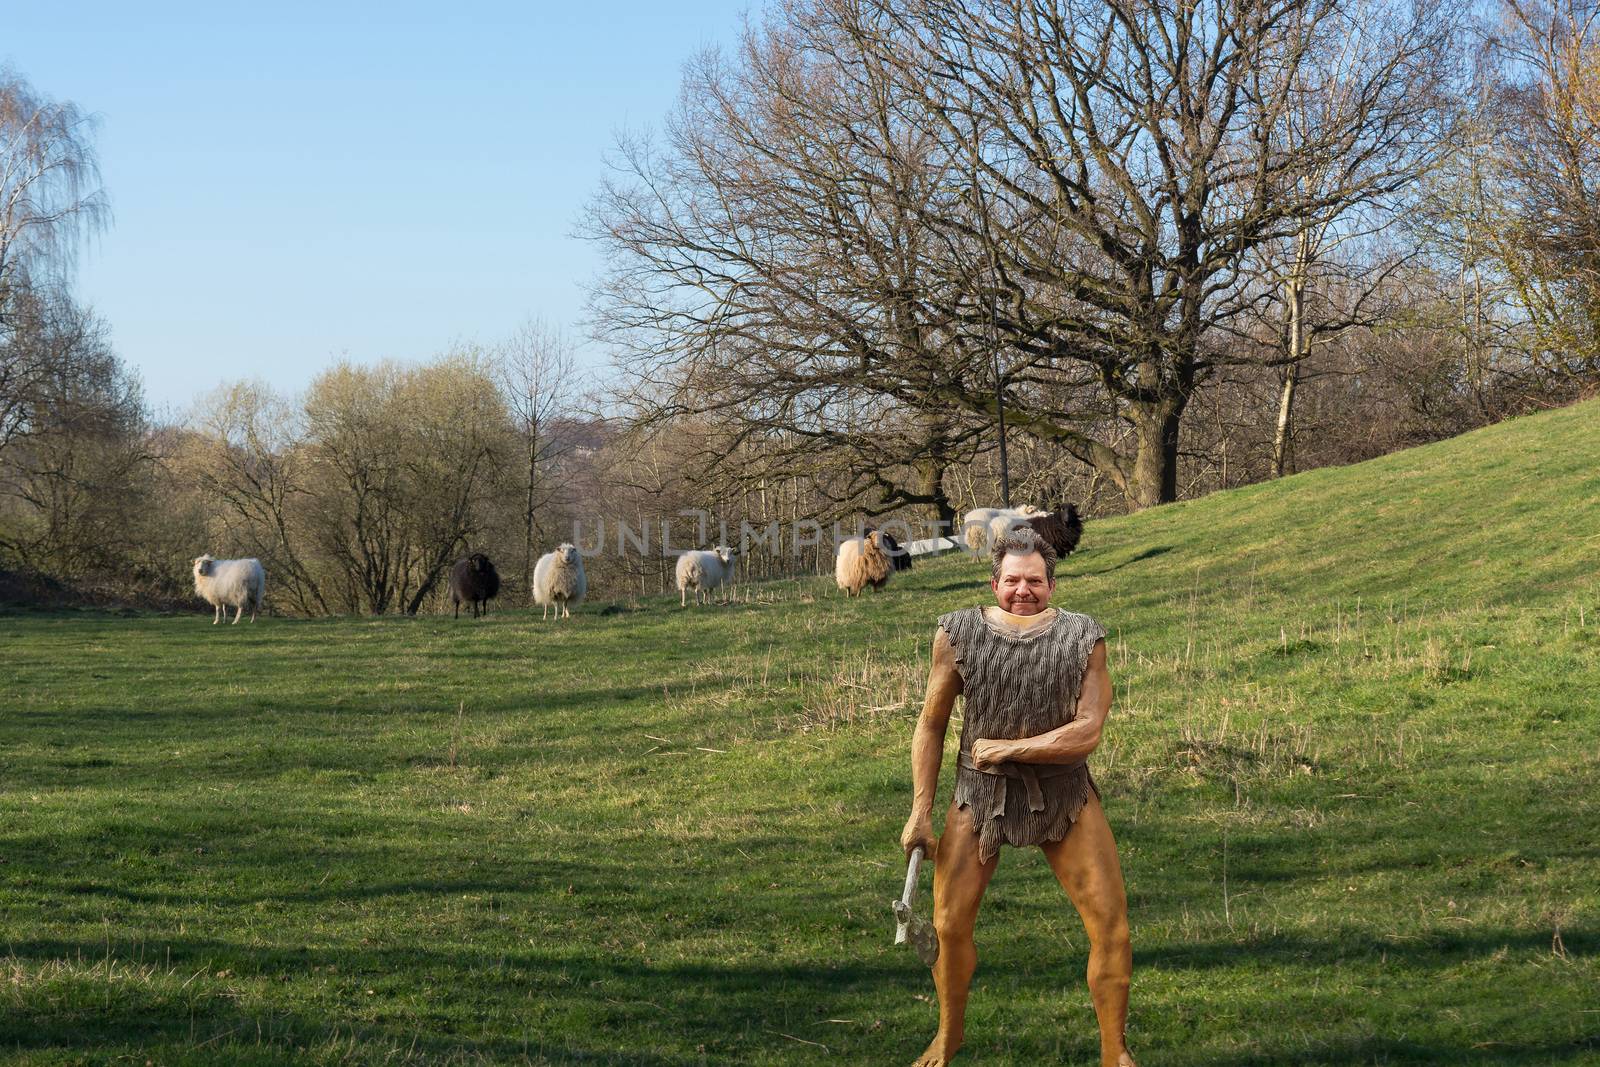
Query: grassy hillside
(1352, 769)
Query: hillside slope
(1352, 769)
(1510, 511)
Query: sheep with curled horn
(474, 581)
(225, 583)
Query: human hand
(918, 833)
(986, 753)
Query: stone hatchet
(910, 926)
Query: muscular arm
(927, 743)
(1064, 744)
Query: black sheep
(473, 581)
(897, 555)
(1060, 530)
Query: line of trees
(1150, 234)
(361, 493)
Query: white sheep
(981, 527)
(225, 583)
(704, 571)
(862, 561)
(558, 580)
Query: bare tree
(252, 460)
(74, 466)
(1328, 276)
(404, 465)
(1547, 124)
(769, 268)
(536, 367)
(49, 186)
(1126, 157)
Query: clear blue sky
(297, 183)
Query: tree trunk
(1283, 436)
(1156, 418)
(930, 486)
(1155, 463)
(1296, 348)
(527, 515)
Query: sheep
(898, 556)
(975, 528)
(225, 583)
(704, 571)
(981, 527)
(1061, 529)
(558, 580)
(473, 581)
(861, 561)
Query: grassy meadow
(1354, 769)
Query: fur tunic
(1020, 684)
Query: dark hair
(1022, 541)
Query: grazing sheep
(981, 527)
(474, 581)
(558, 580)
(1061, 530)
(975, 528)
(225, 583)
(898, 556)
(861, 562)
(704, 571)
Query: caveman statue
(1037, 694)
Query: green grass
(1353, 771)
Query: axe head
(908, 925)
(923, 938)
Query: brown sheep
(861, 562)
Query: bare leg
(959, 880)
(1086, 864)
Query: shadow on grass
(1435, 950)
(608, 1010)
(975, 586)
(1392, 1051)
(223, 1034)
(1149, 553)
(594, 1010)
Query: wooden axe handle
(912, 867)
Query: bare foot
(939, 1053)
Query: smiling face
(1023, 587)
